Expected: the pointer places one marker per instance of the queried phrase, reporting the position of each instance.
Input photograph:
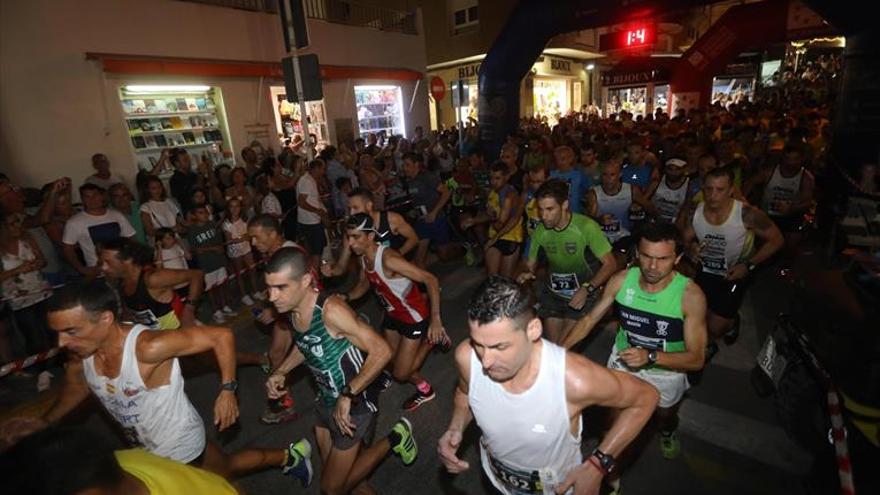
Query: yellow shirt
(494, 204)
(166, 477)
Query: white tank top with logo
(722, 245)
(780, 190)
(669, 201)
(162, 420)
(618, 207)
(527, 446)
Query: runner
(671, 192)
(662, 329)
(267, 238)
(147, 396)
(611, 202)
(527, 395)
(148, 292)
(573, 245)
(394, 280)
(505, 224)
(720, 237)
(345, 356)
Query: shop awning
(176, 66)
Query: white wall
(57, 109)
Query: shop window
(175, 116)
(288, 121)
(379, 110)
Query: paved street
(731, 441)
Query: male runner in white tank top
(527, 395)
(719, 237)
(135, 374)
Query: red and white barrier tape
(841, 450)
(28, 361)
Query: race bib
(146, 317)
(325, 381)
(385, 302)
(637, 214)
(565, 284)
(518, 481)
(611, 227)
(533, 224)
(714, 265)
(650, 343)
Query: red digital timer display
(635, 36)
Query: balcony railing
(336, 11)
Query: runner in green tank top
(662, 324)
(574, 246)
(345, 355)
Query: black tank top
(144, 309)
(385, 236)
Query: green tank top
(650, 321)
(573, 253)
(333, 361)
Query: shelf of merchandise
(168, 131)
(138, 116)
(188, 145)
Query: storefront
(638, 92)
(379, 110)
(191, 117)
(288, 122)
(553, 87)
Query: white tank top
(527, 434)
(722, 245)
(668, 201)
(162, 420)
(780, 190)
(618, 206)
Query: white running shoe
(219, 317)
(247, 301)
(227, 310)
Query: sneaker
(669, 445)
(247, 301)
(418, 399)
(260, 295)
(403, 443)
(385, 381)
(280, 411)
(469, 257)
(219, 317)
(298, 462)
(229, 311)
(731, 336)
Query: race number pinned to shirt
(564, 284)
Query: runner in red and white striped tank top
(403, 300)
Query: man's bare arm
(156, 347)
(74, 390)
(343, 321)
(766, 230)
(401, 227)
(585, 325)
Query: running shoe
(229, 311)
(403, 443)
(247, 301)
(219, 317)
(298, 462)
(417, 399)
(280, 411)
(669, 445)
(385, 380)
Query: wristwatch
(591, 289)
(607, 461)
(652, 356)
(346, 392)
(231, 386)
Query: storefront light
(154, 88)
(591, 66)
(375, 88)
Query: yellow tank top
(166, 477)
(494, 203)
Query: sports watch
(346, 392)
(231, 386)
(652, 356)
(606, 461)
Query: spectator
(269, 204)
(238, 248)
(90, 227)
(23, 283)
(241, 191)
(123, 201)
(311, 214)
(102, 176)
(184, 179)
(158, 210)
(206, 240)
(171, 254)
(251, 162)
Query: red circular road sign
(438, 88)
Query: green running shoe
(669, 445)
(403, 443)
(298, 462)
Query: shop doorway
(379, 110)
(632, 100)
(551, 99)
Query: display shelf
(136, 116)
(189, 145)
(168, 131)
